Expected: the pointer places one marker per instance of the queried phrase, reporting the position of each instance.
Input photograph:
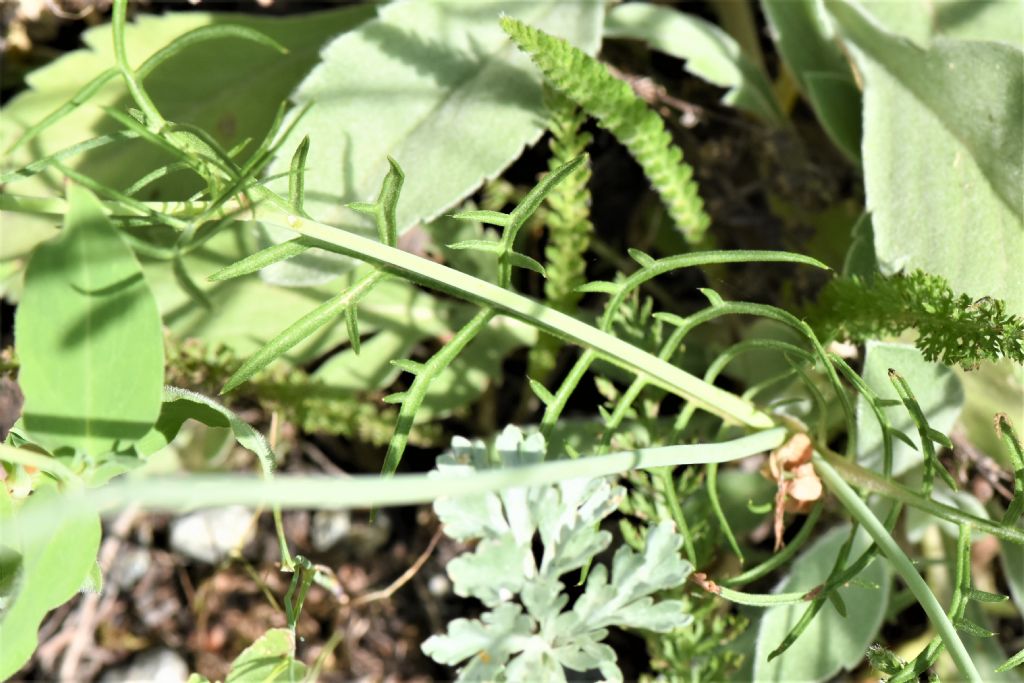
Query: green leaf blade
(710, 53)
(51, 572)
(393, 87)
(943, 146)
(89, 337)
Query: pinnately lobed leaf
(540, 637)
(89, 337)
(953, 328)
(616, 107)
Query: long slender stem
(153, 118)
(731, 408)
(659, 372)
(901, 563)
(865, 479)
(366, 491)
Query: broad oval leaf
(943, 155)
(922, 20)
(88, 336)
(435, 85)
(831, 642)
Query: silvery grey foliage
(530, 632)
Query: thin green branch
(859, 510)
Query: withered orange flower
(798, 484)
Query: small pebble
(159, 665)
(210, 535)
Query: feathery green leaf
(617, 108)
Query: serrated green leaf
(88, 337)
(943, 145)
(271, 659)
(395, 105)
(709, 52)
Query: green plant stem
(622, 354)
(662, 479)
(783, 556)
(436, 276)
(366, 491)
(414, 397)
(724, 404)
(901, 563)
(871, 481)
(154, 120)
(275, 211)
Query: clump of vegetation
(295, 243)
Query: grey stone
(158, 665)
(210, 535)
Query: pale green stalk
(859, 510)
(365, 491)
(660, 373)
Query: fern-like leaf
(569, 226)
(616, 107)
(568, 222)
(953, 328)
